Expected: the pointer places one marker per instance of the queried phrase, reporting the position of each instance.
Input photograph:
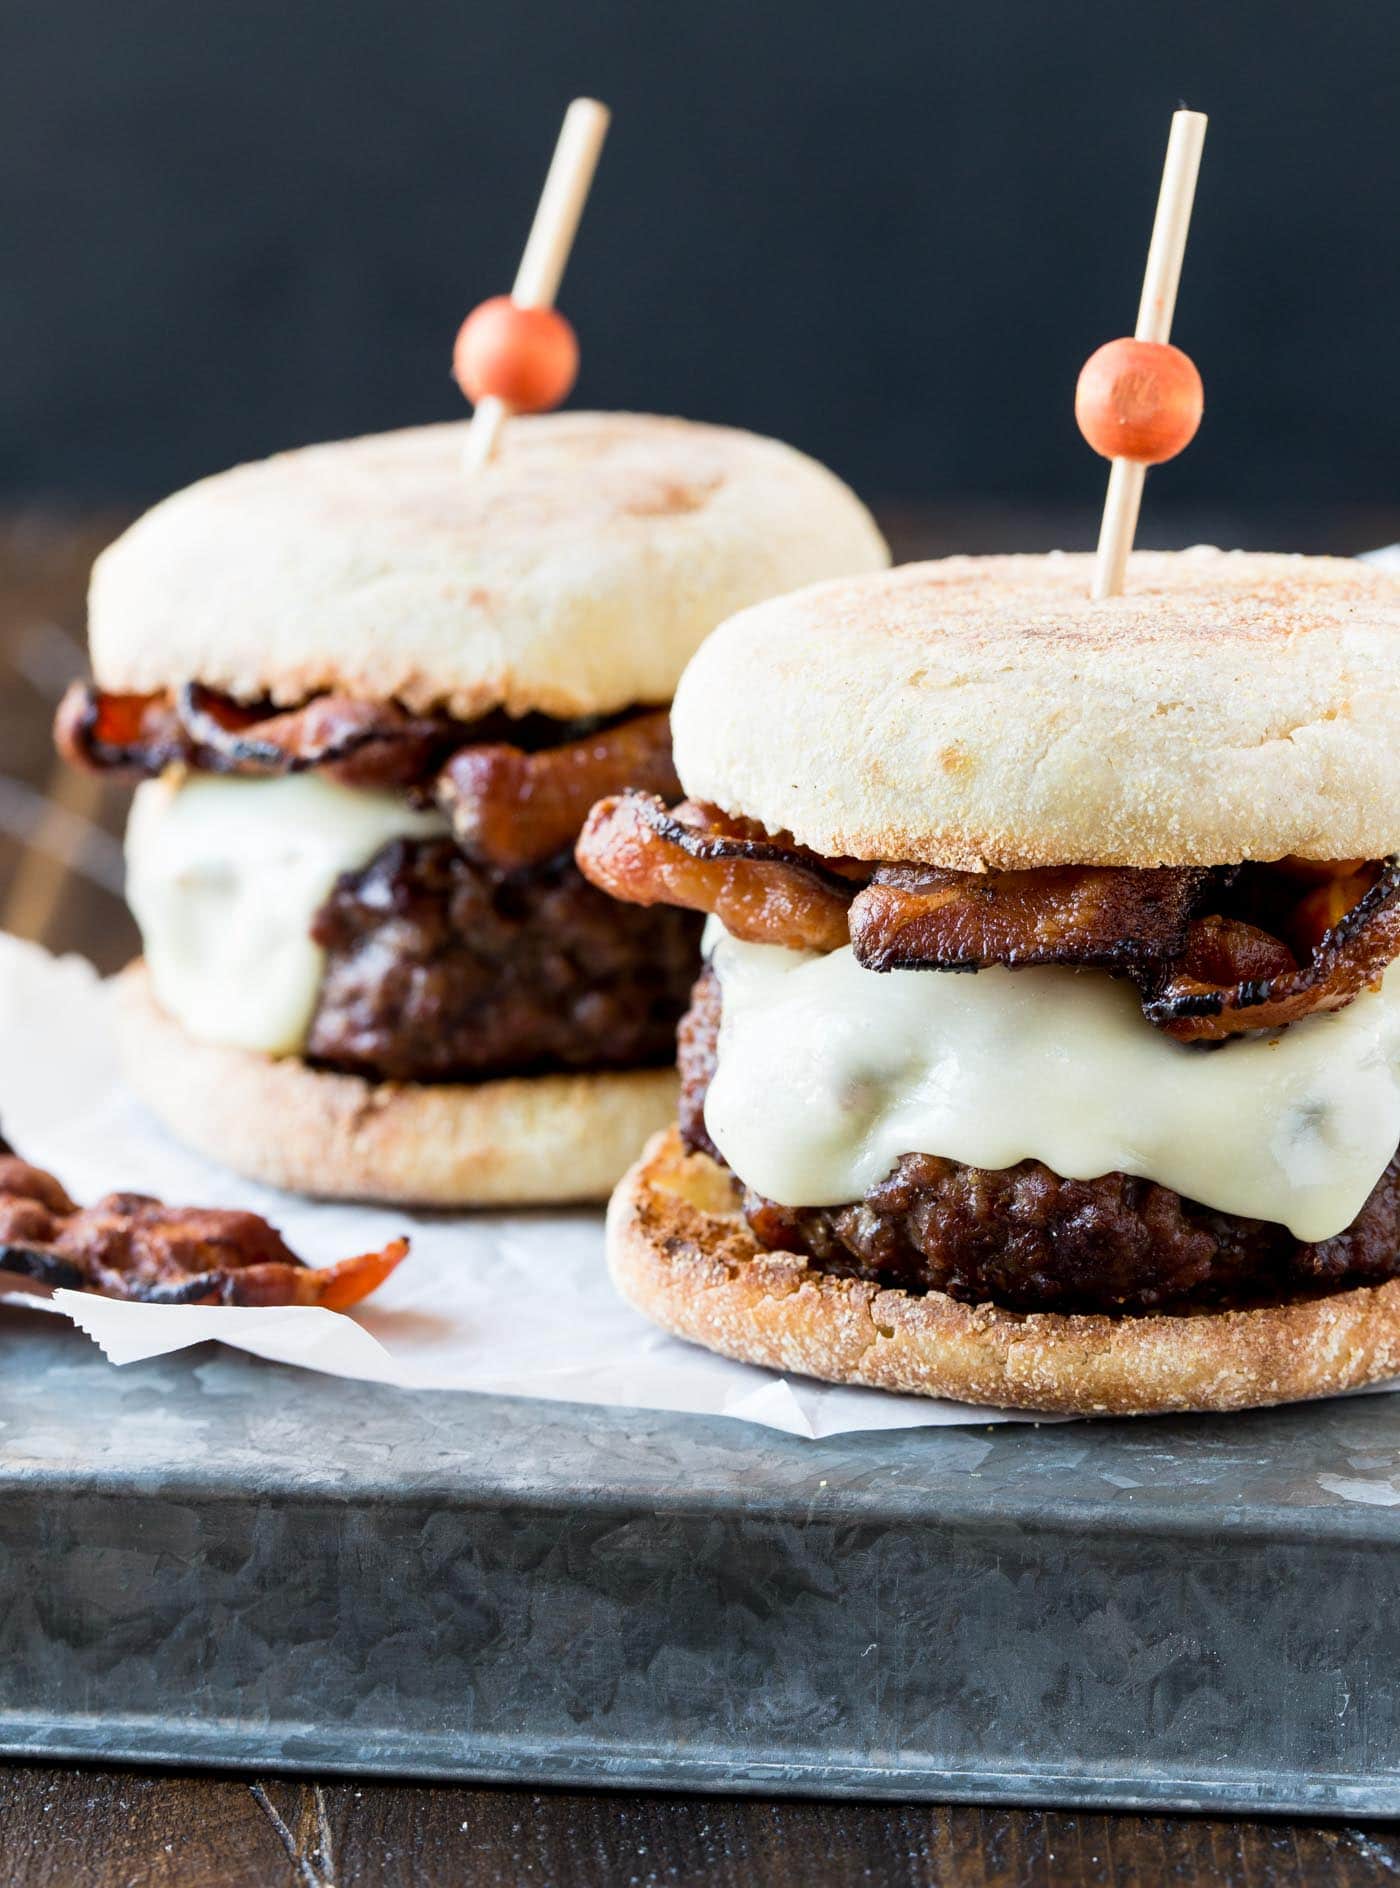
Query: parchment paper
(517, 1303)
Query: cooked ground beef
(442, 970)
(1025, 1238)
(696, 1041)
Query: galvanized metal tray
(211, 1560)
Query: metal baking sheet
(211, 1560)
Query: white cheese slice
(827, 1073)
(224, 877)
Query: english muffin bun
(984, 712)
(680, 1250)
(526, 1141)
(573, 575)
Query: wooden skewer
(547, 248)
(1154, 323)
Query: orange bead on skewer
(526, 357)
(515, 354)
(1139, 400)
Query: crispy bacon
(1273, 942)
(761, 888)
(1225, 983)
(120, 734)
(516, 789)
(131, 1246)
(1213, 953)
(925, 917)
(770, 890)
(361, 743)
(1323, 908)
(1218, 949)
(510, 808)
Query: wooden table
(103, 1829)
(63, 1826)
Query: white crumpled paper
(517, 1303)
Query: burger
(370, 697)
(1047, 1054)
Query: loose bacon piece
(131, 1246)
(511, 809)
(925, 917)
(122, 734)
(761, 889)
(1245, 994)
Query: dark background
(889, 233)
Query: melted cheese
(827, 1073)
(225, 876)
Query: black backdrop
(890, 233)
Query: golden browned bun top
(574, 574)
(986, 712)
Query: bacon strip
(761, 889)
(1351, 955)
(513, 801)
(1202, 978)
(361, 743)
(131, 1246)
(1221, 950)
(119, 734)
(925, 917)
(516, 804)
(512, 809)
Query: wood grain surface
(73, 1828)
(104, 1829)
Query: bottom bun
(525, 1141)
(680, 1250)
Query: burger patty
(439, 969)
(1026, 1238)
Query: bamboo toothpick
(547, 248)
(1154, 323)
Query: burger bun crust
(522, 1141)
(983, 712)
(680, 1250)
(573, 575)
